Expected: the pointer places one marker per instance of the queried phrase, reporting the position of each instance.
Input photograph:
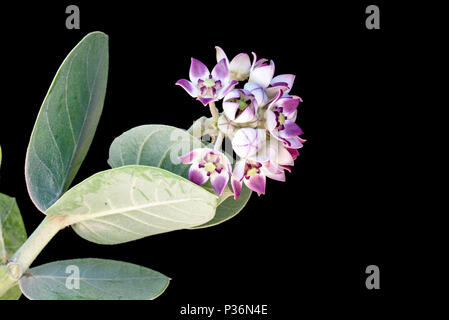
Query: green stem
(26, 254)
(6, 282)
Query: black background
(307, 242)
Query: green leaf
(228, 208)
(98, 279)
(12, 294)
(12, 230)
(132, 202)
(153, 145)
(12, 236)
(67, 121)
(159, 146)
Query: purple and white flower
(261, 72)
(280, 156)
(239, 67)
(258, 119)
(208, 86)
(254, 174)
(281, 117)
(207, 163)
(282, 82)
(258, 92)
(240, 106)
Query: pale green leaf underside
(67, 120)
(159, 146)
(153, 145)
(132, 202)
(99, 279)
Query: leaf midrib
(90, 88)
(88, 216)
(94, 279)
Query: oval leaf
(229, 208)
(12, 229)
(92, 279)
(159, 146)
(12, 236)
(132, 202)
(153, 145)
(67, 121)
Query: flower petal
(247, 115)
(239, 169)
(219, 181)
(270, 167)
(286, 78)
(236, 187)
(273, 172)
(197, 71)
(257, 63)
(240, 66)
(188, 86)
(193, 155)
(291, 129)
(262, 75)
(272, 91)
(278, 176)
(258, 92)
(205, 101)
(221, 54)
(234, 94)
(271, 120)
(285, 158)
(197, 175)
(230, 109)
(256, 183)
(289, 104)
(221, 71)
(225, 90)
(293, 152)
(274, 101)
(279, 154)
(293, 143)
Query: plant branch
(26, 254)
(213, 111)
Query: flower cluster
(258, 118)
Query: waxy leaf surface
(92, 279)
(153, 145)
(12, 230)
(67, 121)
(132, 202)
(228, 208)
(12, 236)
(159, 146)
